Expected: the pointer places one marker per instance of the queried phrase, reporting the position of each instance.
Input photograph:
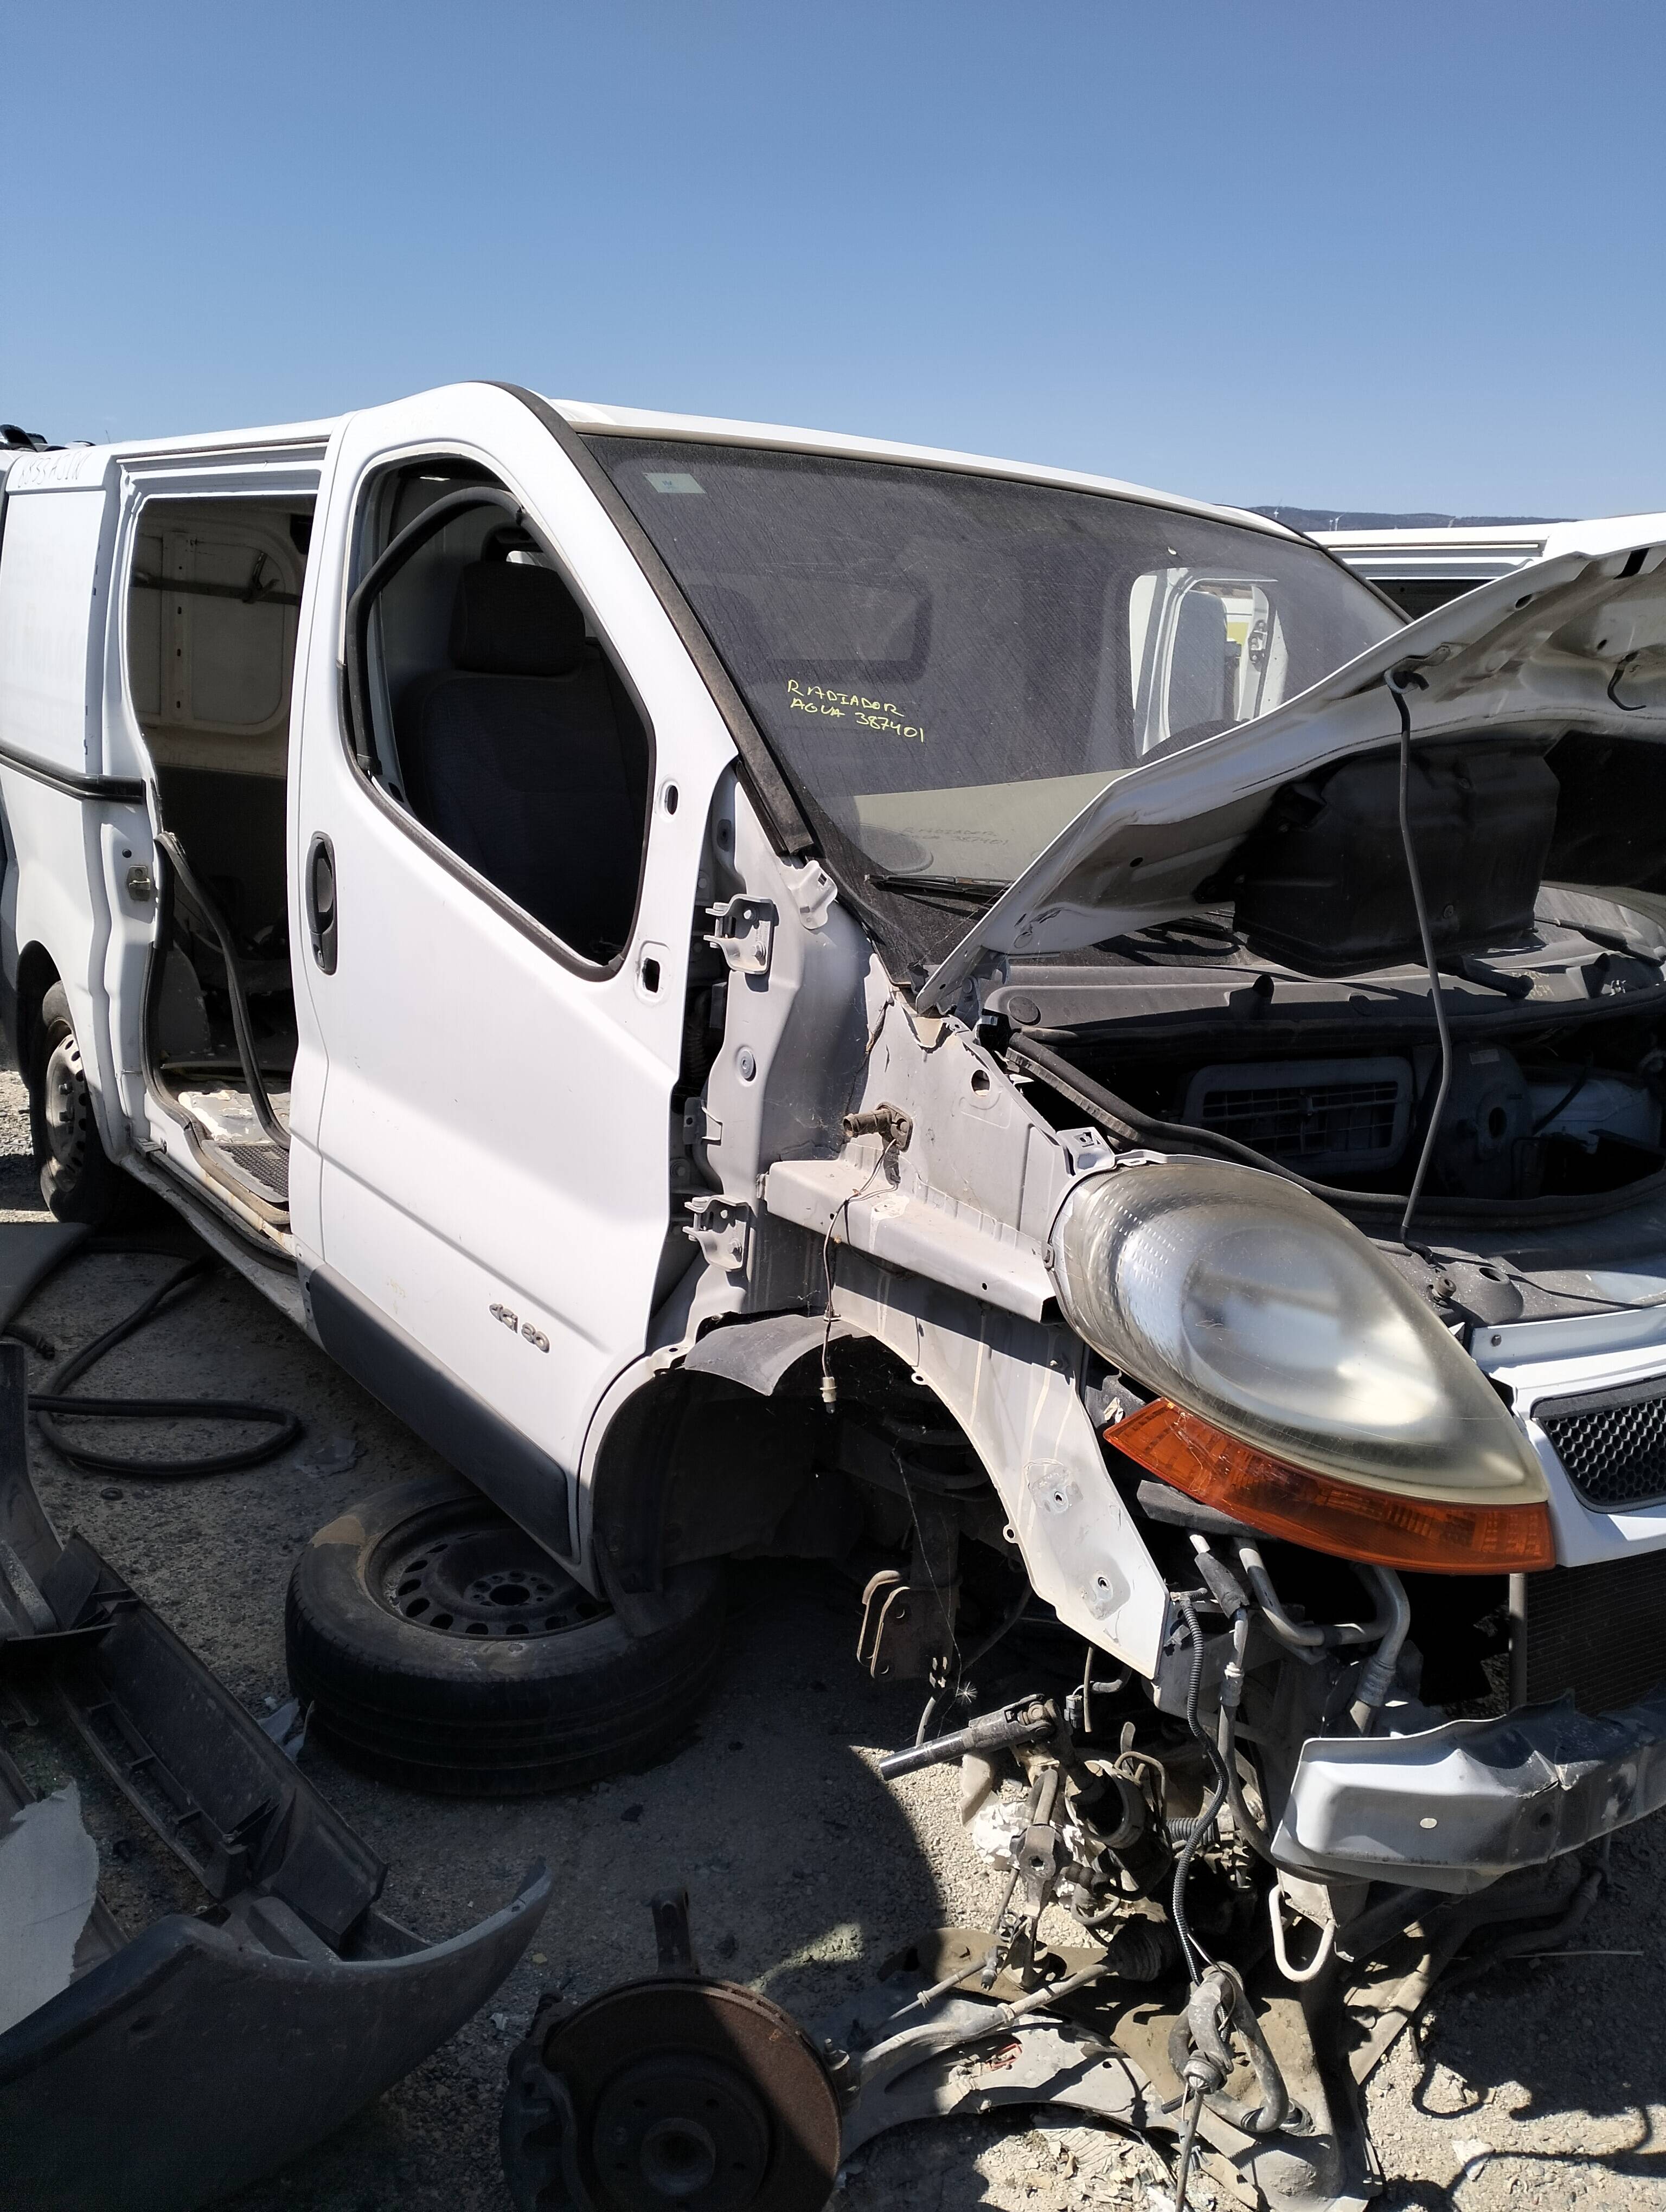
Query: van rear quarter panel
(53, 568)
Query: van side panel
(52, 643)
(52, 627)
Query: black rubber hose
(1190, 1949)
(236, 991)
(1254, 1834)
(52, 1405)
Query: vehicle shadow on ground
(1547, 2069)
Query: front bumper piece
(166, 2072)
(1456, 1806)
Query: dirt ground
(1543, 2085)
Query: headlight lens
(1249, 1301)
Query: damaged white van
(778, 994)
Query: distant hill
(1324, 518)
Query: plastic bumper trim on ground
(167, 2070)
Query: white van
(777, 993)
(1421, 568)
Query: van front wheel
(439, 1646)
(78, 1179)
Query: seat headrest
(511, 620)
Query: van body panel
(54, 602)
(493, 1171)
(525, 1482)
(51, 626)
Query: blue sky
(1330, 254)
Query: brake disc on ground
(674, 2095)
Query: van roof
(85, 464)
(24, 469)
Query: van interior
(501, 723)
(213, 600)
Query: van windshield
(949, 667)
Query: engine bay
(1194, 1042)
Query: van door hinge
(745, 933)
(720, 1227)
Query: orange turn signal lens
(1379, 1527)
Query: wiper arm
(961, 887)
(1612, 941)
(1472, 970)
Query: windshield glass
(949, 667)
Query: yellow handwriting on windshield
(870, 713)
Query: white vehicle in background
(778, 994)
(1422, 569)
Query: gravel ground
(1543, 2085)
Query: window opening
(486, 703)
(946, 667)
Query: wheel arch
(715, 1454)
(37, 971)
(689, 1466)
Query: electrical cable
(1188, 2145)
(1190, 1948)
(830, 1386)
(979, 1652)
(1396, 687)
(53, 1405)
(1194, 1950)
(1002, 1629)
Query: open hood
(1572, 644)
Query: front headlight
(1245, 1300)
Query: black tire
(419, 1668)
(78, 1179)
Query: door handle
(321, 901)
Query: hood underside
(1526, 671)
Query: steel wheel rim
(64, 1103)
(471, 1573)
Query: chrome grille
(1613, 1442)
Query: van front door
(493, 864)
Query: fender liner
(758, 1353)
(697, 1408)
